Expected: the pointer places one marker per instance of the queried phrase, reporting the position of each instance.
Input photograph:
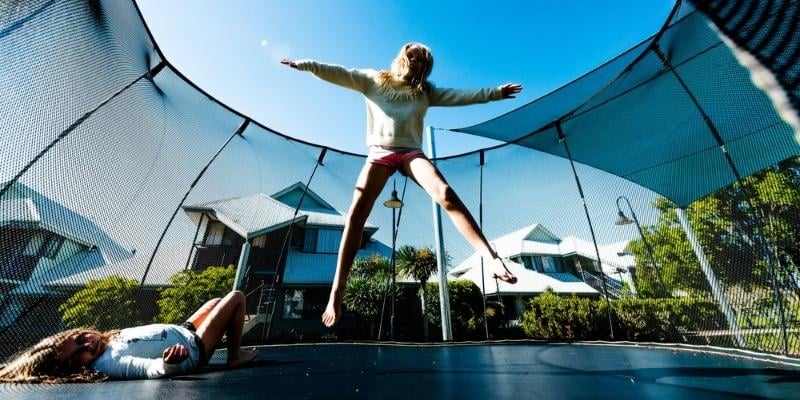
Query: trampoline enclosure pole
(716, 290)
(444, 298)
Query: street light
(394, 203)
(624, 220)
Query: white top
(395, 112)
(137, 352)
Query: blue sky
(231, 50)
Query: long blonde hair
(419, 82)
(41, 363)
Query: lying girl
(149, 351)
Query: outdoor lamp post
(624, 220)
(394, 203)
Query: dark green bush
(466, 309)
(554, 317)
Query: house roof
(254, 215)
(24, 206)
(527, 281)
(536, 239)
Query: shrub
(550, 316)
(188, 290)
(554, 317)
(466, 308)
(104, 304)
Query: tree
(749, 234)
(104, 304)
(418, 264)
(188, 290)
(365, 288)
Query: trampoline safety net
(655, 198)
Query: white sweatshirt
(395, 112)
(137, 352)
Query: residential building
(543, 261)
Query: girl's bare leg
(226, 318)
(368, 186)
(200, 315)
(426, 175)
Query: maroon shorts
(394, 159)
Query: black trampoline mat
(483, 371)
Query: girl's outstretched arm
(356, 79)
(461, 97)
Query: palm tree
(418, 264)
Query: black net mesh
(123, 183)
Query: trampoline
(516, 370)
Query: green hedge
(550, 316)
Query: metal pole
(480, 224)
(444, 298)
(646, 244)
(716, 290)
(394, 265)
(563, 140)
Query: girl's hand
(510, 89)
(175, 354)
(289, 63)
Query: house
(542, 261)
(42, 241)
(251, 232)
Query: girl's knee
(446, 196)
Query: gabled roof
(249, 216)
(528, 282)
(26, 207)
(254, 215)
(311, 201)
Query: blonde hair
(399, 67)
(42, 363)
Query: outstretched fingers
(289, 63)
(510, 89)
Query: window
(319, 240)
(52, 246)
(304, 303)
(293, 304)
(214, 233)
(260, 241)
(35, 244)
(310, 242)
(552, 264)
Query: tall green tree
(188, 290)
(749, 235)
(104, 304)
(419, 264)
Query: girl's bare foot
(499, 271)
(332, 312)
(242, 359)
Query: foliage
(550, 316)
(744, 231)
(104, 304)
(188, 290)
(366, 286)
(419, 264)
(553, 317)
(466, 308)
